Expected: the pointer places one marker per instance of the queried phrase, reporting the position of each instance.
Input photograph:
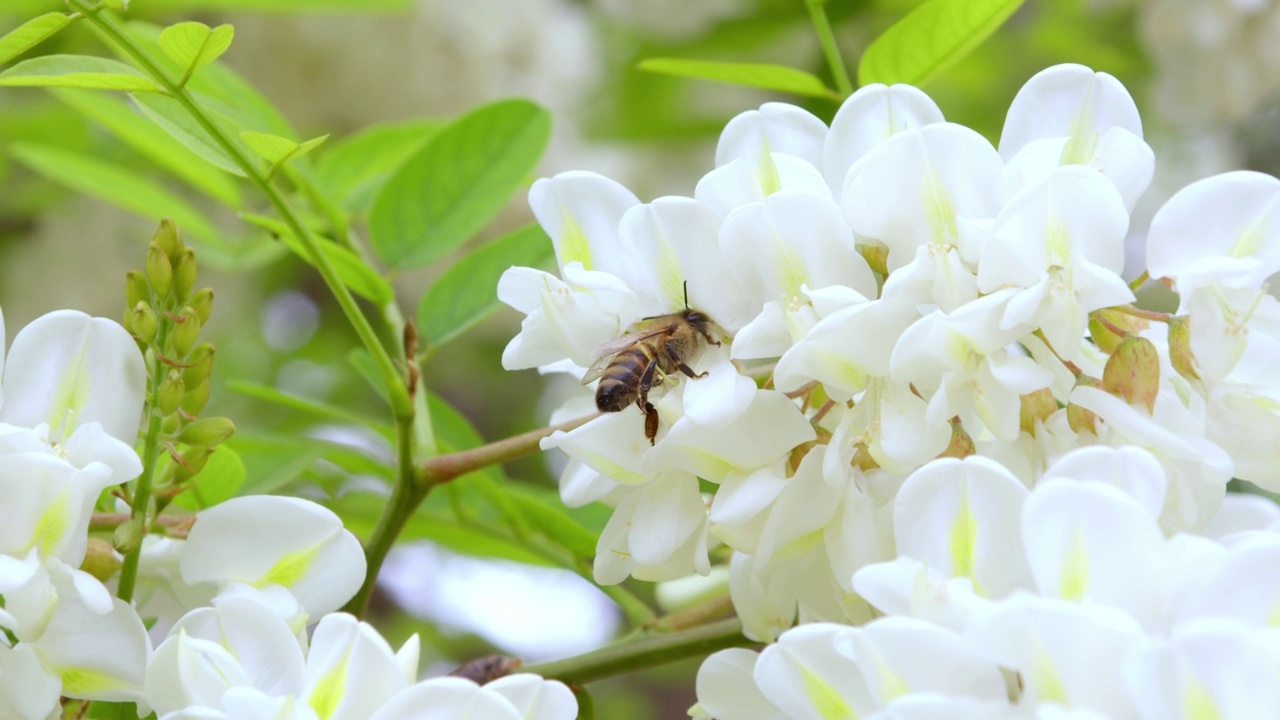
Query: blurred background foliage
(407, 66)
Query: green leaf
(277, 150)
(930, 39)
(468, 292)
(115, 114)
(120, 187)
(31, 33)
(319, 409)
(175, 120)
(354, 272)
(193, 44)
(82, 71)
(759, 75)
(354, 169)
(219, 480)
(452, 187)
(552, 522)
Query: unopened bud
(171, 424)
(207, 432)
(193, 461)
(199, 365)
(1036, 408)
(168, 238)
(159, 271)
(184, 275)
(128, 536)
(1079, 419)
(1133, 372)
(171, 392)
(877, 257)
(195, 399)
(135, 289)
(100, 560)
(961, 445)
(185, 332)
(202, 303)
(143, 323)
(1184, 361)
(1109, 326)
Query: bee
(656, 347)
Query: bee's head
(697, 318)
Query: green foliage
(455, 185)
(219, 480)
(80, 71)
(192, 45)
(175, 120)
(354, 272)
(466, 293)
(353, 170)
(31, 33)
(930, 39)
(277, 150)
(760, 75)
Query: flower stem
(401, 403)
(822, 26)
(176, 526)
(142, 488)
(1144, 314)
(646, 652)
(1140, 281)
(443, 468)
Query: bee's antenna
(686, 294)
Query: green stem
(406, 495)
(644, 653)
(443, 468)
(401, 403)
(829, 48)
(1140, 281)
(142, 488)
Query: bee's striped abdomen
(620, 384)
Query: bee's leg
(689, 371)
(646, 382)
(650, 423)
(710, 339)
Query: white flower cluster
(933, 399)
(230, 604)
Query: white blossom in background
(935, 402)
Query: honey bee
(656, 347)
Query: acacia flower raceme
(934, 400)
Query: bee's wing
(607, 350)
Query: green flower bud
(193, 461)
(100, 560)
(159, 271)
(1036, 408)
(1184, 361)
(143, 323)
(199, 365)
(1133, 372)
(171, 392)
(185, 332)
(194, 401)
(1109, 326)
(171, 424)
(1078, 418)
(128, 536)
(184, 275)
(202, 303)
(168, 238)
(208, 432)
(135, 289)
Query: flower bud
(135, 289)
(961, 445)
(171, 392)
(208, 432)
(128, 536)
(100, 560)
(186, 330)
(168, 238)
(159, 271)
(142, 322)
(1184, 361)
(193, 461)
(202, 303)
(1133, 372)
(1109, 326)
(1079, 419)
(195, 399)
(1036, 408)
(199, 365)
(184, 275)
(171, 424)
